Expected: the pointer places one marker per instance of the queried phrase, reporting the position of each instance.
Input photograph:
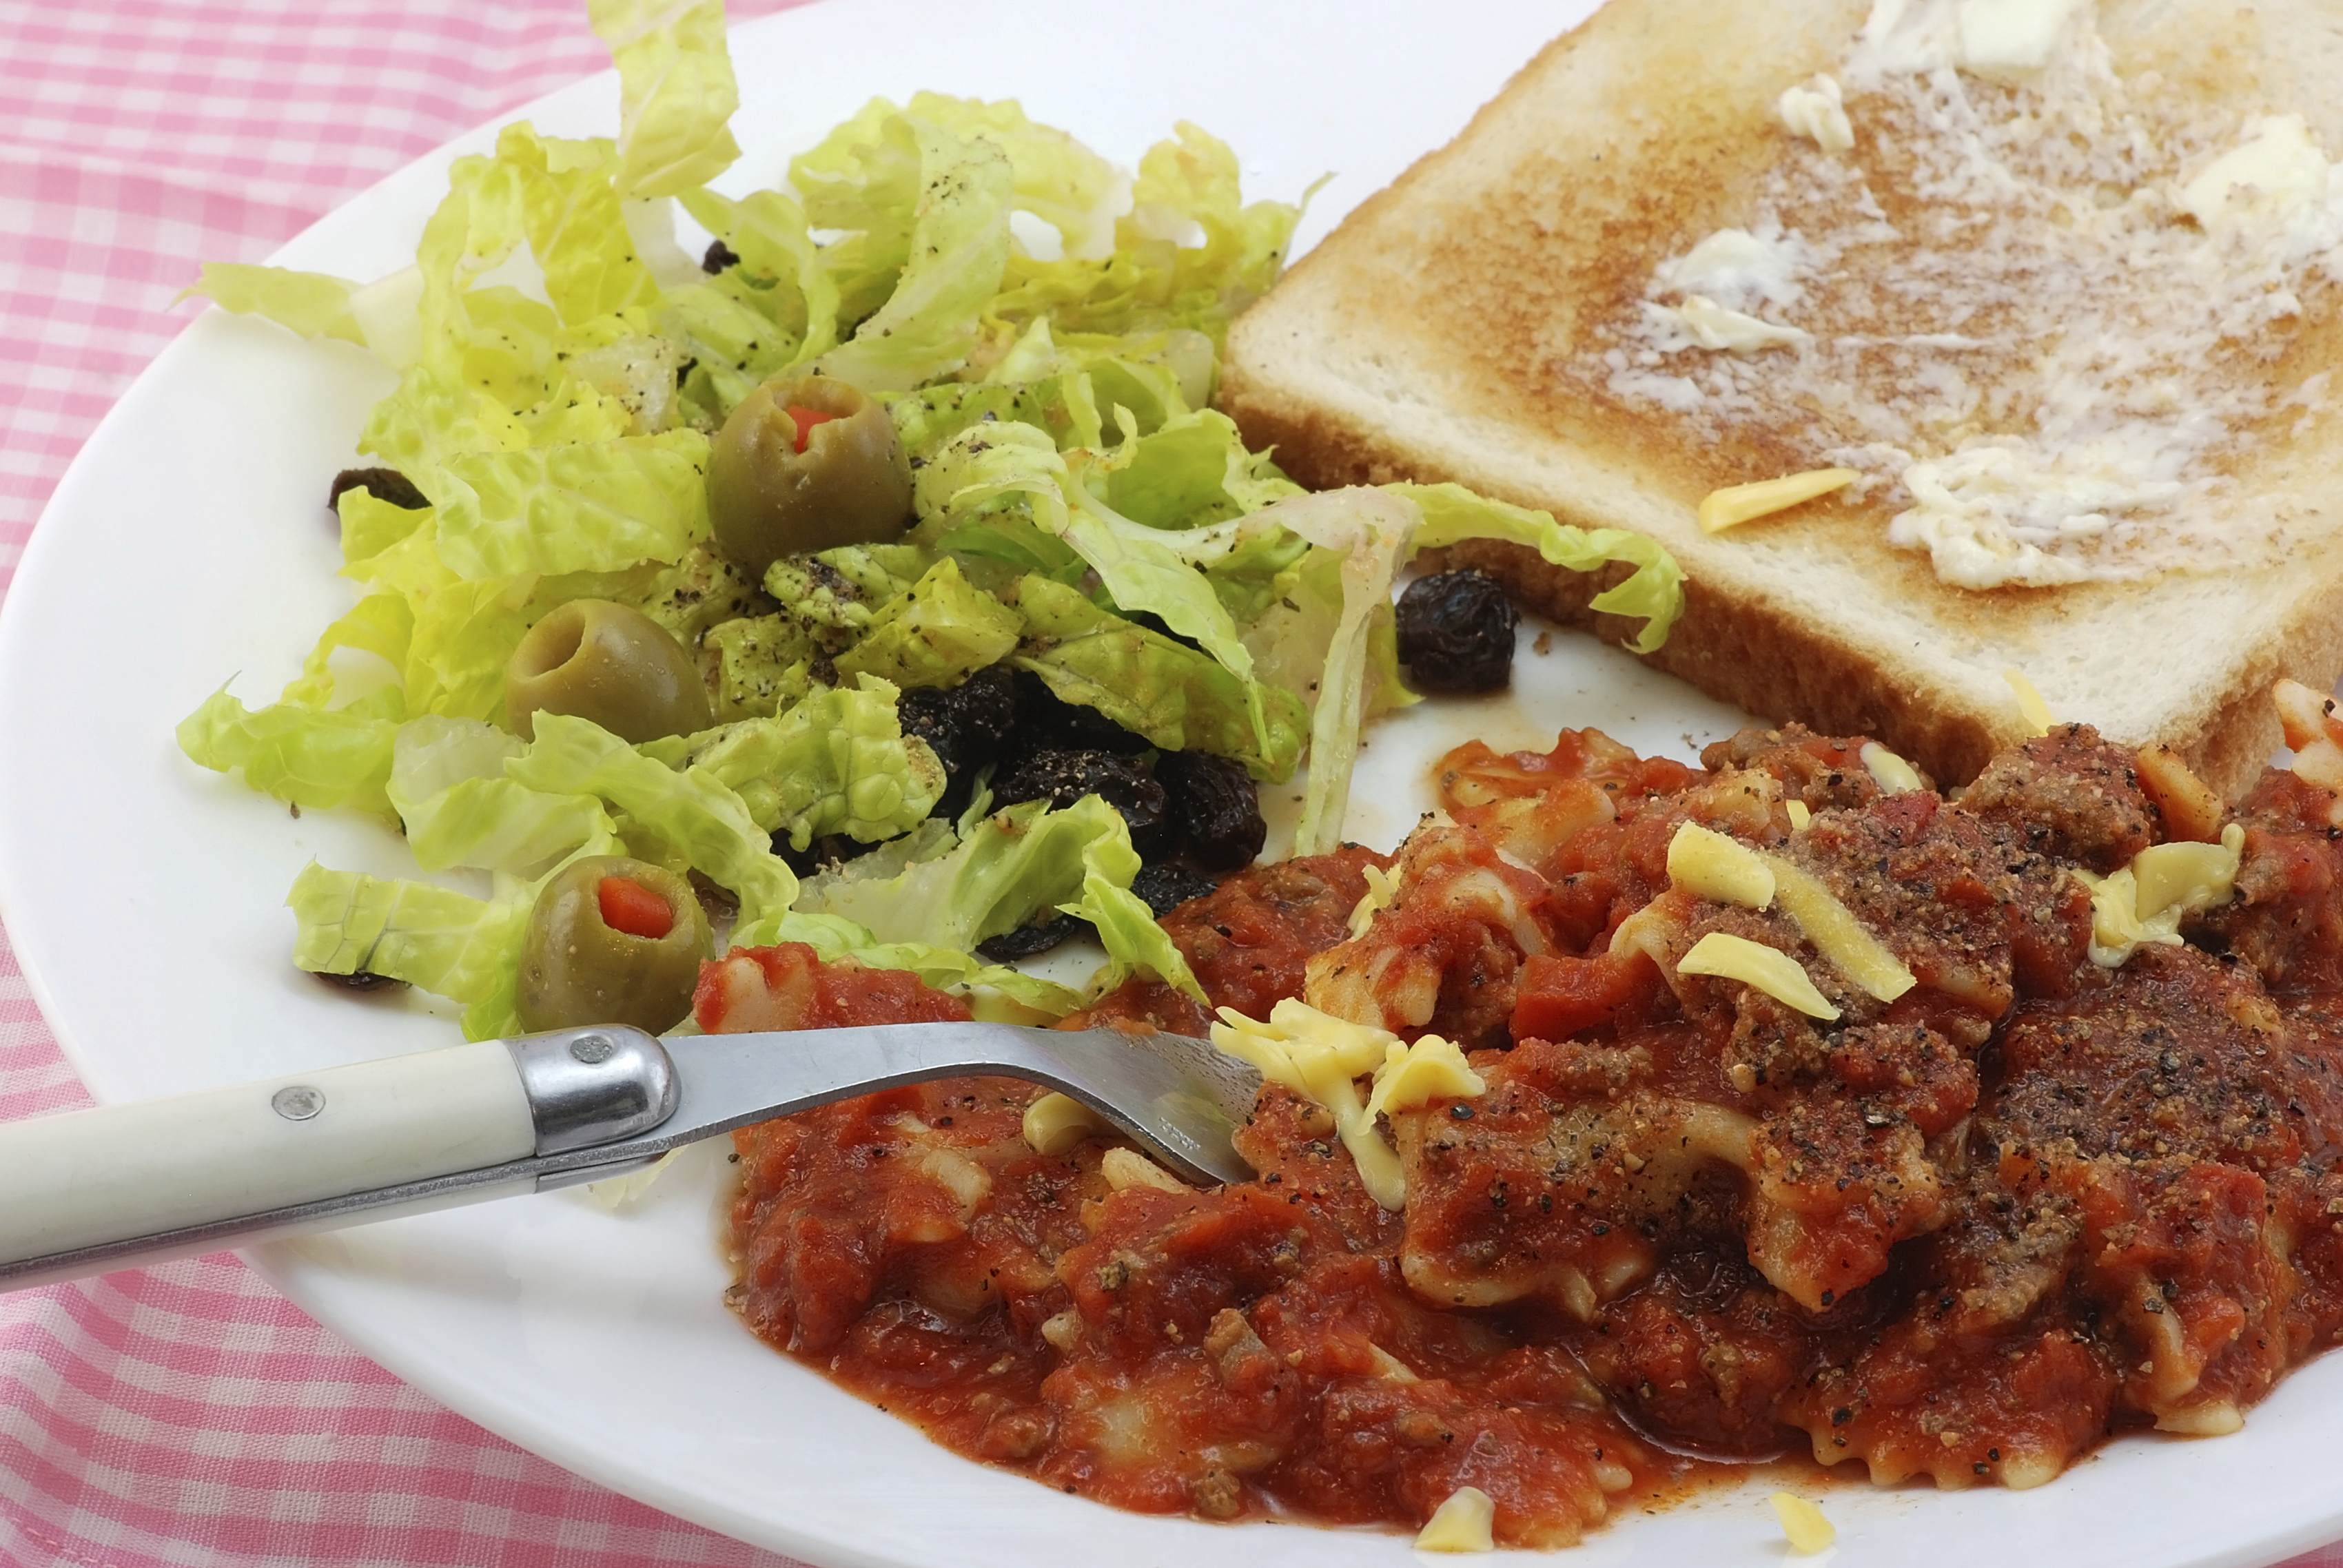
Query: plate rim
(284, 1269)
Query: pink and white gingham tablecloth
(188, 1415)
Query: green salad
(574, 416)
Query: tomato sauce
(1965, 1234)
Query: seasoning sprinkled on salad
(679, 562)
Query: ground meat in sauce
(1965, 1235)
(1247, 941)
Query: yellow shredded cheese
(1412, 1076)
(2143, 904)
(1770, 969)
(1837, 935)
(1803, 1523)
(1467, 1520)
(1381, 891)
(2188, 876)
(1318, 1056)
(2030, 706)
(1800, 818)
(1056, 1122)
(1737, 504)
(1723, 870)
(1890, 772)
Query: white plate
(143, 896)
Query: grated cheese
(1381, 891)
(2030, 706)
(1844, 941)
(1413, 1076)
(1803, 1523)
(1724, 870)
(1737, 504)
(1769, 970)
(1320, 1057)
(2143, 904)
(1465, 1521)
(1889, 771)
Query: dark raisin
(1165, 888)
(720, 257)
(1027, 940)
(1047, 722)
(1064, 777)
(384, 484)
(965, 723)
(1213, 802)
(1456, 632)
(359, 980)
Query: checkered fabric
(189, 1415)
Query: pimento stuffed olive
(805, 465)
(612, 941)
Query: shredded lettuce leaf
(1013, 866)
(958, 246)
(1056, 178)
(1178, 698)
(774, 240)
(1368, 533)
(1084, 514)
(676, 93)
(1193, 471)
(313, 304)
(602, 506)
(452, 945)
(447, 783)
(307, 756)
(694, 811)
(1187, 188)
(837, 762)
(1655, 591)
(934, 633)
(990, 463)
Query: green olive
(613, 664)
(577, 969)
(850, 484)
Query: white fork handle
(90, 1178)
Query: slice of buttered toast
(2057, 286)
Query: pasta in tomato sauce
(2044, 1143)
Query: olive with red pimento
(612, 941)
(803, 465)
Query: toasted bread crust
(1421, 341)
